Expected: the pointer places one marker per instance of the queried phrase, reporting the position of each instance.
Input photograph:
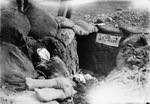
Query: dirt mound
(15, 66)
(14, 26)
(42, 24)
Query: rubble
(134, 57)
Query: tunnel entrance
(96, 57)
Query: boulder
(14, 26)
(42, 23)
(15, 66)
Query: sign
(108, 39)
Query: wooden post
(65, 10)
(22, 5)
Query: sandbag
(49, 94)
(87, 26)
(79, 31)
(59, 82)
(65, 22)
(109, 29)
(15, 66)
(131, 30)
(65, 35)
(42, 24)
(14, 26)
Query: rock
(96, 57)
(65, 35)
(86, 26)
(65, 22)
(79, 31)
(42, 23)
(15, 66)
(14, 26)
(67, 54)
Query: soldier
(22, 5)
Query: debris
(134, 57)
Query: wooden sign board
(108, 39)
